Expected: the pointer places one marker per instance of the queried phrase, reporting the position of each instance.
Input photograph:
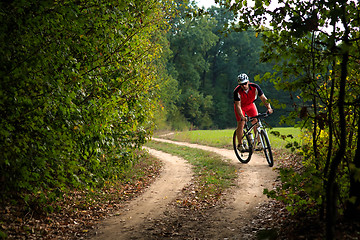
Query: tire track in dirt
(176, 173)
(242, 201)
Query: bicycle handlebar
(260, 115)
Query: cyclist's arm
(266, 103)
(239, 110)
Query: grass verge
(213, 174)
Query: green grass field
(223, 138)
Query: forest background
(206, 58)
(85, 83)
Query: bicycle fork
(254, 139)
(258, 138)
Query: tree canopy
(205, 59)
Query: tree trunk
(315, 147)
(330, 195)
(352, 207)
(330, 146)
(314, 134)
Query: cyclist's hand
(243, 118)
(270, 111)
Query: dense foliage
(316, 47)
(77, 90)
(205, 59)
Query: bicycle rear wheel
(245, 155)
(267, 148)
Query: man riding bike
(244, 96)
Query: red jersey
(249, 96)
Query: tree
(314, 44)
(78, 87)
(234, 52)
(206, 58)
(190, 38)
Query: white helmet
(243, 78)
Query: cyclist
(244, 96)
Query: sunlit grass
(278, 141)
(223, 138)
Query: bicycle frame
(259, 127)
(248, 148)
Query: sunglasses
(243, 84)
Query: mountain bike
(251, 144)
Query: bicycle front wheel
(244, 155)
(267, 148)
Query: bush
(77, 90)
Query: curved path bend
(241, 204)
(175, 175)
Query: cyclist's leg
(240, 126)
(240, 130)
(251, 111)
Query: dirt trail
(137, 220)
(253, 178)
(175, 175)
